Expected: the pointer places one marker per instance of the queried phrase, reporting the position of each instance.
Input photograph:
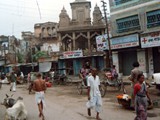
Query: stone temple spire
(64, 18)
(97, 16)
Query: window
(153, 18)
(118, 2)
(128, 24)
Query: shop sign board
(150, 40)
(73, 54)
(125, 41)
(101, 42)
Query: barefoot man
(39, 86)
(94, 95)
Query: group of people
(92, 81)
(12, 78)
(15, 78)
(139, 98)
(140, 94)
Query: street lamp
(108, 36)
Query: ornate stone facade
(79, 33)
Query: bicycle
(82, 85)
(112, 83)
(61, 79)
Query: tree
(20, 57)
(39, 54)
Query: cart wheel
(118, 85)
(80, 88)
(69, 81)
(103, 90)
(55, 82)
(30, 89)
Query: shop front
(125, 51)
(151, 43)
(74, 60)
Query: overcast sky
(21, 15)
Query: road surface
(64, 103)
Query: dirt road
(64, 103)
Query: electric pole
(108, 36)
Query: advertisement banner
(101, 42)
(150, 40)
(118, 42)
(45, 66)
(73, 54)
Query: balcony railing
(133, 28)
(154, 24)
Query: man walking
(39, 86)
(94, 95)
(13, 82)
(133, 78)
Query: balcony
(128, 29)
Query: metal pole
(32, 59)
(107, 29)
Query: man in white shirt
(94, 95)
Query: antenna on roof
(38, 9)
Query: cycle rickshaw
(61, 77)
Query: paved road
(63, 103)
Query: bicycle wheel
(118, 85)
(69, 81)
(55, 82)
(80, 88)
(103, 90)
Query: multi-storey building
(135, 28)
(46, 37)
(78, 36)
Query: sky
(21, 15)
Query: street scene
(80, 60)
(64, 103)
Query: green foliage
(39, 54)
(20, 57)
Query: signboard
(125, 41)
(101, 41)
(50, 47)
(73, 54)
(150, 40)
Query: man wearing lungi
(94, 95)
(39, 86)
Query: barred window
(153, 18)
(128, 24)
(118, 2)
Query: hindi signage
(125, 41)
(150, 40)
(73, 54)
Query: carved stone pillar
(89, 42)
(60, 41)
(74, 40)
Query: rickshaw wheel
(80, 88)
(103, 90)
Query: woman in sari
(141, 97)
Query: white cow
(17, 111)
